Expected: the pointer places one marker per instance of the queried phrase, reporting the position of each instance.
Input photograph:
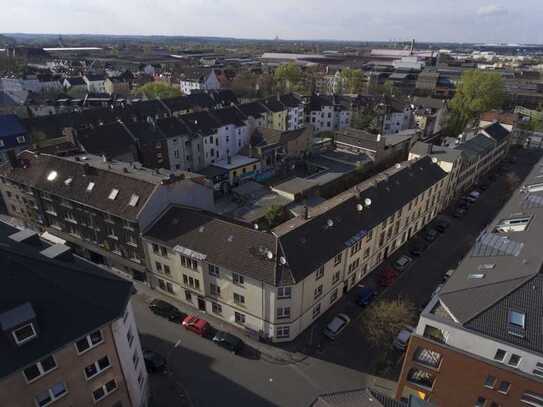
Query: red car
(387, 277)
(196, 325)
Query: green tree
(353, 80)
(477, 92)
(288, 77)
(274, 216)
(384, 319)
(153, 90)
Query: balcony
(435, 334)
(427, 358)
(421, 378)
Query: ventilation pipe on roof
(306, 212)
(379, 138)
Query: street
(203, 374)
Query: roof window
(513, 225)
(534, 187)
(476, 276)
(517, 318)
(486, 266)
(68, 181)
(134, 199)
(113, 194)
(90, 186)
(52, 176)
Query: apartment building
(99, 207)
(95, 83)
(478, 341)
(276, 283)
(199, 81)
(398, 117)
(328, 113)
(14, 137)
(62, 345)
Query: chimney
(229, 159)
(86, 169)
(430, 148)
(306, 212)
(104, 158)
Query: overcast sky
(361, 20)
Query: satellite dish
(367, 201)
(269, 255)
(434, 160)
(282, 260)
(359, 207)
(330, 223)
(256, 226)
(398, 166)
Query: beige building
(276, 283)
(62, 349)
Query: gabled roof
(200, 99)
(289, 100)
(69, 298)
(274, 104)
(273, 136)
(111, 140)
(237, 248)
(76, 81)
(229, 116)
(253, 109)
(37, 169)
(502, 272)
(308, 244)
(428, 102)
(496, 131)
(201, 122)
(172, 127)
(478, 145)
(11, 126)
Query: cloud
(491, 10)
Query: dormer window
(517, 319)
(24, 334)
(113, 194)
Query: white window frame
(238, 279)
(106, 393)
(282, 332)
(282, 292)
(283, 313)
(98, 369)
(20, 342)
(21, 139)
(40, 369)
(91, 346)
(52, 396)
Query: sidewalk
(279, 354)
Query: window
(517, 319)
(155, 248)
(539, 369)
(89, 341)
(134, 199)
(135, 359)
(129, 336)
(113, 194)
(283, 313)
(514, 360)
(39, 369)
(421, 378)
(163, 251)
(318, 292)
(367, 253)
(337, 259)
(500, 355)
(532, 399)
(240, 318)
(435, 334)
(282, 332)
(490, 382)
(353, 266)
(238, 279)
(104, 390)
(158, 266)
(333, 296)
(239, 299)
(427, 357)
(167, 269)
(480, 402)
(24, 334)
(214, 270)
(284, 292)
(94, 369)
(215, 290)
(216, 308)
(316, 311)
(141, 379)
(48, 396)
(504, 387)
(335, 277)
(320, 273)
(21, 139)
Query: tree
(353, 80)
(288, 76)
(153, 90)
(476, 93)
(274, 216)
(384, 319)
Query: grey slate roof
(254, 109)
(357, 398)
(308, 244)
(63, 295)
(110, 139)
(478, 145)
(201, 122)
(227, 244)
(497, 132)
(502, 272)
(446, 154)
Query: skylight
(476, 276)
(134, 199)
(68, 181)
(113, 194)
(52, 176)
(513, 225)
(486, 266)
(90, 186)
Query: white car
(338, 324)
(402, 262)
(400, 342)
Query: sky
(358, 20)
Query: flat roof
(236, 162)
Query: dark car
(430, 235)
(459, 212)
(166, 310)
(442, 225)
(228, 341)
(364, 295)
(387, 277)
(418, 248)
(154, 362)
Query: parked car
(459, 212)
(365, 295)
(154, 362)
(336, 326)
(166, 310)
(418, 248)
(197, 325)
(430, 235)
(442, 225)
(401, 341)
(228, 341)
(387, 277)
(402, 263)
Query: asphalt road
(206, 375)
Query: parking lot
(294, 374)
